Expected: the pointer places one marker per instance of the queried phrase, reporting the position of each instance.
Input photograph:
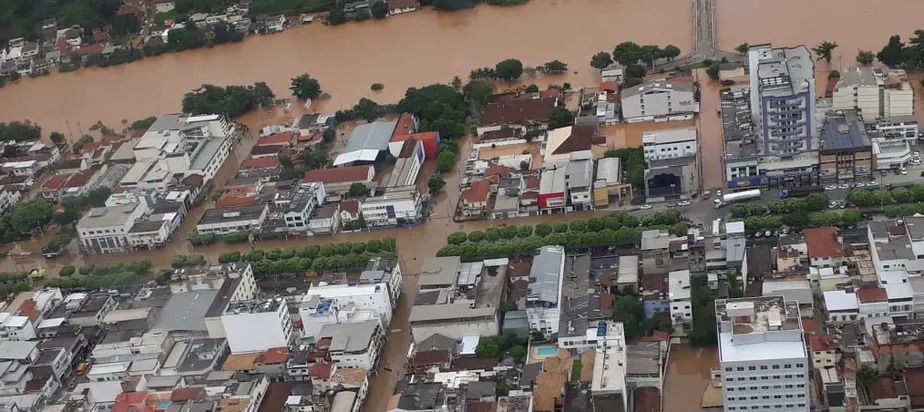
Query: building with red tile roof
(823, 246)
(430, 140)
(284, 138)
(339, 179)
(261, 163)
(610, 86)
(187, 394)
(646, 399)
(872, 294)
(407, 124)
(234, 201)
(274, 356)
(914, 381)
(518, 112)
(474, 199)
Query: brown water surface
(687, 375)
(408, 50)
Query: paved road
(704, 38)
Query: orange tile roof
(872, 294)
(240, 361)
(320, 370)
(231, 201)
(261, 163)
(405, 121)
(57, 181)
(477, 192)
(338, 174)
(277, 138)
(274, 356)
(822, 242)
(822, 343)
(351, 206)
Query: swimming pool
(547, 351)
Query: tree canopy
(824, 50)
(601, 60)
(305, 87)
(19, 131)
(510, 69)
(231, 101)
(560, 117)
(627, 53)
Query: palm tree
(824, 50)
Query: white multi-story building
(396, 207)
(679, 293)
(858, 89)
(763, 360)
(898, 128)
(669, 144)
(387, 271)
(231, 219)
(300, 205)
(783, 98)
(610, 360)
(331, 304)
(14, 327)
(354, 345)
(182, 144)
(104, 229)
(544, 290)
(257, 325)
(658, 99)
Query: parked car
(684, 203)
(831, 187)
(672, 204)
(645, 207)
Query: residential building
(309, 124)
(330, 304)
(544, 290)
(859, 89)
(782, 98)
(897, 95)
(354, 345)
(530, 110)
(611, 363)
(402, 6)
(384, 270)
(325, 220)
(366, 143)
(845, 153)
(474, 200)
(224, 220)
(181, 144)
(824, 247)
(891, 154)
(658, 99)
(762, 355)
(16, 328)
(560, 143)
(397, 206)
(338, 180)
(673, 163)
(579, 180)
(299, 206)
(257, 325)
(841, 306)
(680, 295)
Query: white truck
(736, 197)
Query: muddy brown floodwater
(688, 370)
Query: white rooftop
(469, 343)
(839, 300)
(679, 284)
(758, 351)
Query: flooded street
(688, 370)
(711, 141)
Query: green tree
(517, 352)
(56, 138)
(531, 89)
(865, 376)
(445, 161)
(627, 53)
(543, 229)
(19, 131)
(650, 53)
(742, 48)
(487, 348)
(629, 310)
(865, 57)
(368, 110)
(379, 9)
(834, 74)
(477, 90)
(560, 117)
(635, 71)
(510, 69)
(78, 145)
(67, 271)
(336, 16)
(894, 53)
(601, 60)
(554, 67)
(815, 202)
(358, 190)
(670, 52)
(436, 183)
(851, 217)
(263, 95)
(97, 197)
(824, 50)
(457, 238)
(305, 87)
(713, 71)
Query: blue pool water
(547, 351)
(163, 404)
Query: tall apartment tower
(782, 98)
(762, 355)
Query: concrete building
(763, 359)
(384, 270)
(673, 163)
(845, 154)
(16, 328)
(579, 181)
(407, 166)
(331, 304)
(257, 325)
(105, 229)
(544, 290)
(299, 206)
(338, 180)
(898, 128)
(224, 220)
(397, 206)
(891, 153)
(782, 98)
(354, 345)
(658, 99)
(680, 295)
(608, 385)
(366, 143)
(582, 308)
(859, 89)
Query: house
(349, 211)
(267, 163)
(259, 152)
(338, 180)
(824, 247)
(474, 199)
(402, 6)
(275, 23)
(561, 142)
(309, 124)
(325, 219)
(552, 187)
(527, 111)
(284, 138)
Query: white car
(832, 205)
(718, 192)
(684, 203)
(904, 172)
(831, 187)
(844, 186)
(859, 184)
(645, 207)
(915, 154)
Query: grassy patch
(576, 370)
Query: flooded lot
(688, 370)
